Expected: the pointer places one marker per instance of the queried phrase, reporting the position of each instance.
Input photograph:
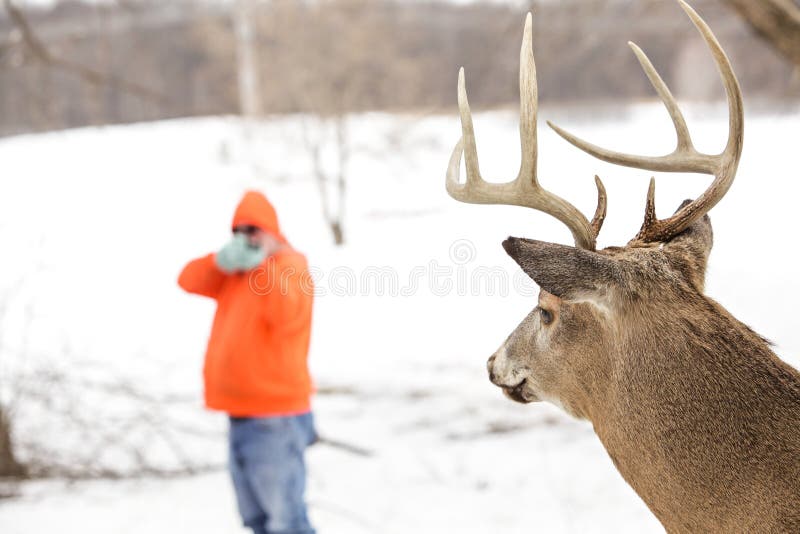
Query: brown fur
(698, 414)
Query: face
(544, 358)
(590, 304)
(256, 237)
(565, 347)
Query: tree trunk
(343, 149)
(249, 90)
(332, 213)
(9, 466)
(777, 21)
(338, 232)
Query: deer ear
(688, 251)
(566, 272)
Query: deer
(697, 413)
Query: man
(256, 364)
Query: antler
(685, 158)
(525, 189)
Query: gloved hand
(239, 255)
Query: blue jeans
(269, 473)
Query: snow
(96, 224)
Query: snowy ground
(95, 224)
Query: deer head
(593, 307)
(698, 414)
(588, 297)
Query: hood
(254, 209)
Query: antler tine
(528, 109)
(663, 163)
(684, 138)
(524, 190)
(602, 203)
(685, 158)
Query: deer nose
(489, 366)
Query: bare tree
(777, 21)
(249, 92)
(117, 422)
(332, 186)
(334, 58)
(9, 465)
(92, 76)
(151, 434)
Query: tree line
(82, 64)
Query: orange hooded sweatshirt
(256, 362)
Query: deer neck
(692, 400)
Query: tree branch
(777, 21)
(88, 74)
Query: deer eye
(546, 315)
